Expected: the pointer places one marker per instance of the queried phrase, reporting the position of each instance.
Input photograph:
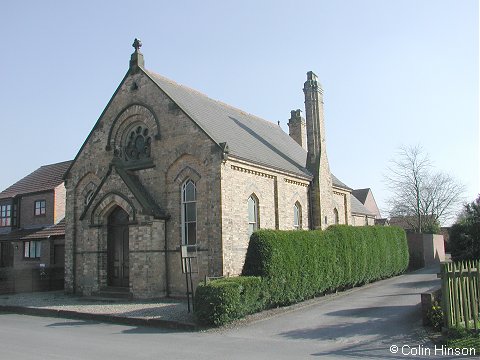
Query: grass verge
(463, 339)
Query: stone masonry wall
(362, 220)
(147, 259)
(179, 150)
(239, 181)
(339, 201)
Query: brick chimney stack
(320, 191)
(298, 128)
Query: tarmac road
(362, 323)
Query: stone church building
(166, 166)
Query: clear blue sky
(396, 72)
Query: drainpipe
(167, 282)
(74, 250)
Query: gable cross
(137, 44)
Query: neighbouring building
(409, 223)
(32, 231)
(359, 215)
(166, 166)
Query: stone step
(120, 289)
(111, 292)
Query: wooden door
(117, 249)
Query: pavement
(163, 312)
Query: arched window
(253, 218)
(297, 216)
(189, 213)
(335, 214)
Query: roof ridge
(52, 164)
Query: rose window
(138, 144)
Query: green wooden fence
(461, 294)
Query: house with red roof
(32, 231)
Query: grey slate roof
(339, 184)
(358, 207)
(248, 137)
(361, 194)
(45, 178)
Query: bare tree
(423, 198)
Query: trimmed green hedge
(222, 301)
(284, 267)
(298, 265)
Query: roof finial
(137, 44)
(136, 60)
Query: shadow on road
(420, 284)
(366, 332)
(149, 330)
(395, 295)
(73, 323)
(367, 352)
(385, 322)
(128, 329)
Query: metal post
(186, 257)
(191, 281)
(186, 281)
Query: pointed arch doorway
(117, 248)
